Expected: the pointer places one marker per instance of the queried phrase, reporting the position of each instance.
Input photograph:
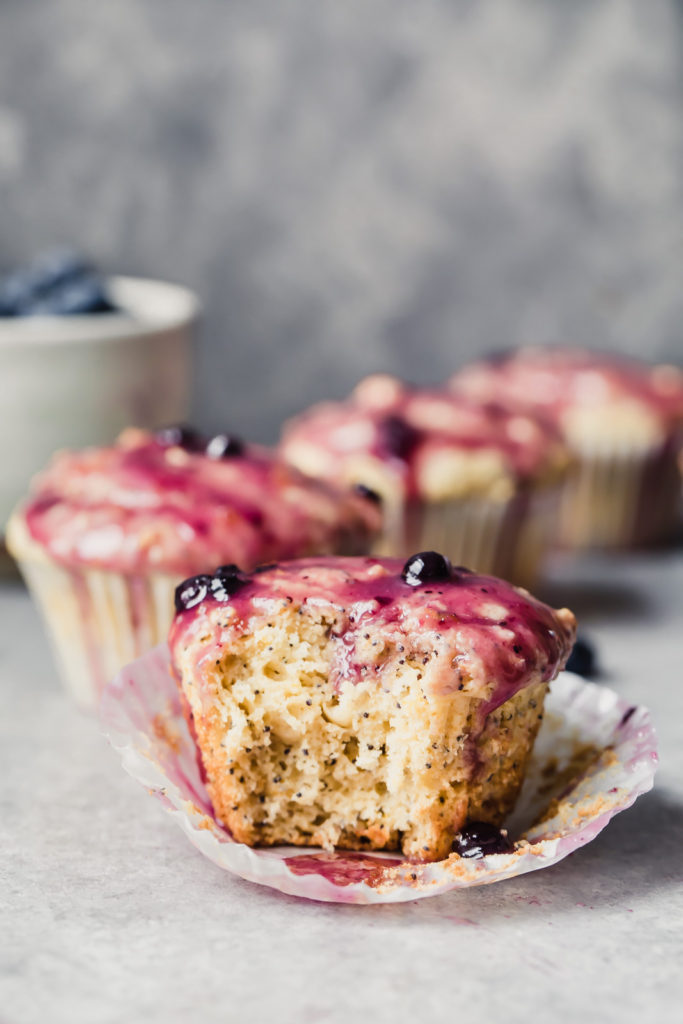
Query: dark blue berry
(368, 493)
(223, 446)
(58, 283)
(56, 266)
(397, 437)
(479, 839)
(180, 436)
(192, 592)
(226, 581)
(582, 660)
(71, 298)
(426, 567)
(16, 291)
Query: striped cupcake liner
(509, 539)
(98, 621)
(594, 755)
(622, 499)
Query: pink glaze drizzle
(139, 505)
(553, 380)
(492, 638)
(413, 424)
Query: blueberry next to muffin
(480, 839)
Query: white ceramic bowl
(78, 380)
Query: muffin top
(176, 503)
(591, 397)
(489, 638)
(435, 444)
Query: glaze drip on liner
(498, 637)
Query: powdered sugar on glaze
(407, 428)
(141, 505)
(490, 638)
(556, 380)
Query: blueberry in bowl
(82, 357)
(59, 282)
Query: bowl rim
(133, 293)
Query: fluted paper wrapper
(595, 754)
(509, 539)
(98, 621)
(623, 497)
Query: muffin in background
(454, 474)
(623, 421)
(360, 703)
(107, 534)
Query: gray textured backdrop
(356, 185)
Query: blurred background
(349, 187)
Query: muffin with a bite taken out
(360, 703)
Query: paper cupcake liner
(595, 754)
(621, 498)
(508, 539)
(98, 621)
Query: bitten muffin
(623, 421)
(468, 478)
(361, 703)
(108, 533)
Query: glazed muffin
(623, 422)
(361, 703)
(108, 533)
(466, 477)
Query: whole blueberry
(179, 435)
(426, 567)
(397, 437)
(226, 581)
(71, 297)
(192, 592)
(55, 266)
(368, 493)
(479, 839)
(583, 660)
(60, 282)
(223, 446)
(16, 291)
(28, 285)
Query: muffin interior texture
(394, 760)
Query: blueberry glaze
(480, 629)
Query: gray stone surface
(359, 185)
(109, 915)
